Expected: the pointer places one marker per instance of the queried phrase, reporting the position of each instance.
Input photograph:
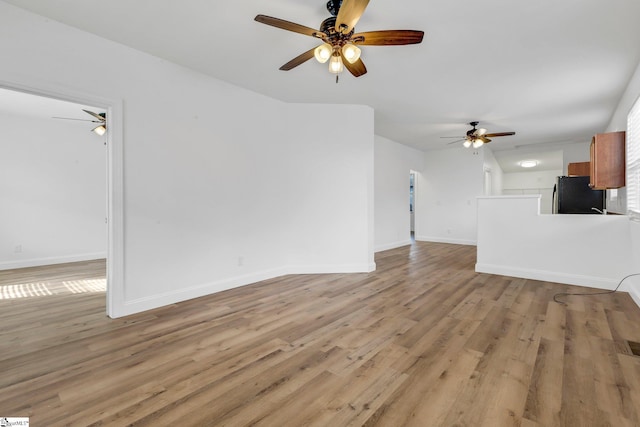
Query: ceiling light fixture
(100, 118)
(339, 38)
(335, 64)
(100, 130)
(528, 163)
(351, 52)
(323, 52)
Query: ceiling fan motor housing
(333, 6)
(333, 37)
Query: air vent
(635, 348)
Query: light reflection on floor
(42, 289)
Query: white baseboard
(387, 246)
(331, 268)
(24, 263)
(634, 292)
(548, 276)
(633, 287)
(160, 300)
(167, 298)
(445, 240)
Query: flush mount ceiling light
(528, 163)
(340, 41)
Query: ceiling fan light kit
(351, 52)
(340, 41)
(100, 130)
(335, 64)
(323, 52)
(476, 138)
(101, 118)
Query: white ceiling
(547, 160)
(552, 71)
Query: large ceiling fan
(340, 42)
(100, 118)
(477, 137)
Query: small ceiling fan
(477, 137)
(100, 118)
(340, 42)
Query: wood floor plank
(422, 341)
(545, 385)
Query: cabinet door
(607, 161)
(579, 169)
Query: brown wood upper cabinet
(579, 169)
(607, 160)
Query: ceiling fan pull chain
(337, 78)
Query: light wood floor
(423, 341)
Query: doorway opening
(412, 205)
(488, 182)
(61, 192)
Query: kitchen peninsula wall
(514, 239)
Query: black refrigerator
(572, 195)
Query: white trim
(37, 262)
(331, 268)
(512, 196)
(115, 181)
(634, 293)
(548, 276)
(444, 240)
(161, 300)
(387, 246)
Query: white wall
(219, 188)
(586, 250)
(448, 186)
(619, 122)
(575, 153)
(331, 220)
(392, 166)
(530, 180)
(534, 182)
(52, 192)
(493, 167)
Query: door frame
(415, 175)
(115, 181)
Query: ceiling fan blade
(453, 142)
(80, 120)
(484, 138)
(304, 57)
(458, 137)
(388, 37)
(289, 26)
(349, 14)
(357, 68)
(96, 115)
(499, 134)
